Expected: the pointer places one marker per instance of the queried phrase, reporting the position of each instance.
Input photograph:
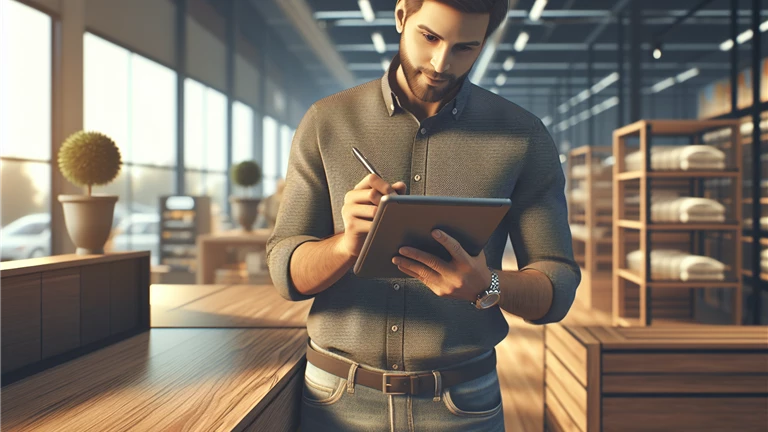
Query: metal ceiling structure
(570, 46)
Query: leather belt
(400, 383)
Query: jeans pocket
(479, 397)
(321, 387)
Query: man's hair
(496, 8)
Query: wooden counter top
(164, 379)
(58, 262)
(249, 306)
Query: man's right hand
(360, 205)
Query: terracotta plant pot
(245, 211)
(88, 220)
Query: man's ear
(400, 16)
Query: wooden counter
(241, 368)
(693, 378)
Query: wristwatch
(491, 296)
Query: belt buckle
(385, 384)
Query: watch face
(489, 300)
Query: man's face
(438, 47)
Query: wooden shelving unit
(590, 209)
(637, 298)
(754, 288)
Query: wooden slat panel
(569, 383)
(94, 292)
(570, 352)
(594, 388)
(664, 414)
(572, 396)
(124, 296)
(21, 343)
(557, 416)
(61, 311)
(685, 363)
(689, 383)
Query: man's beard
(418, 87)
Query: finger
(365, 183)
(400, 187)
(422, 272)
(380, 185)
(427, 259)
(360, 226)
(363, 211)
(364, 196)
(451, 245)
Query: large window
(286, 137)
(242, 132)
(133, 100)
(25, 131)
(270, 158)
(205, 146)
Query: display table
(212, 250)
(684, 378)
(243, 372)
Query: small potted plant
(87, 159)
(245, 174)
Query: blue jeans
(330, 403)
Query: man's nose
(440, 61)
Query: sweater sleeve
(305, 210)
(539, 229)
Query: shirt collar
(392, 102)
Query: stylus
(364, 161)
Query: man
(414, 354)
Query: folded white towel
(687, 209)
(579, 195)
(579, 231)
(676, 158)
(598, 169)
(670, 264)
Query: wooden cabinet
(697, 378)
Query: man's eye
(429, 37)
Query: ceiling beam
(713, 47)
(541, 66)
(618, 7)
(548, 14)
(299, 14)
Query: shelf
(630, 276)
(749, 201)
(763, 240)
(637, 279)
(635, 175)
(656, 322)
(637, 225)
(674, 127)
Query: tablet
(408, 220)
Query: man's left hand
(464, 277)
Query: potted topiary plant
(246, 174)
(88, 159)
